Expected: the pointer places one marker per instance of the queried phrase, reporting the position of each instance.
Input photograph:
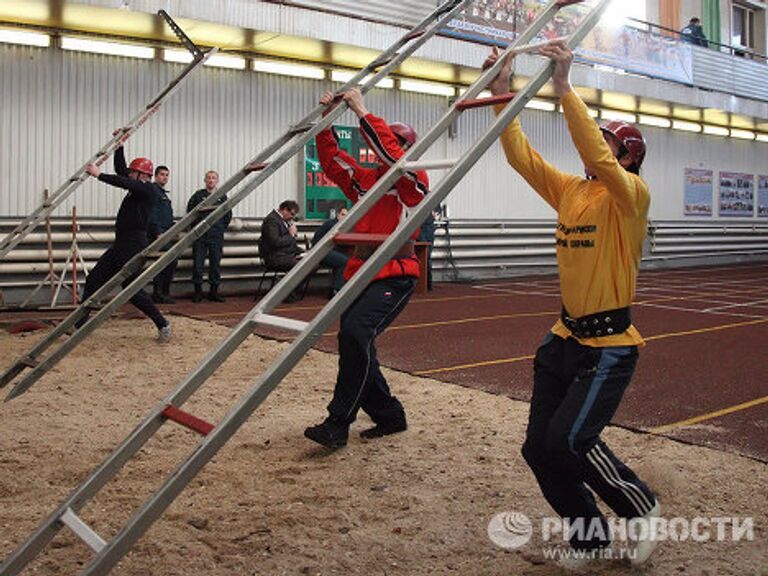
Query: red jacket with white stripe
(355, 180)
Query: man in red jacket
(360, 383)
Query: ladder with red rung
(30, 222)
(108, 553)
(155, 257)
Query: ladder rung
(256, 167)
(414, 34)
(480, 102)
(281, 322)
(431, 164)
(561, 3)
(154, 254)
(301, 128)
(207, 208)
(186, 419)
(29, 362)
(356, 239)
(94, 306)
(382, 61)
(86, 534)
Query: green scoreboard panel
(321, 196)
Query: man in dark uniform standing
(161, 220)
(130, 233)
(210, 244)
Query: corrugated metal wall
(714, 70)
(58, 107)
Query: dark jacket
(694, 34)
(133, 216)
(215, 232)
(275, 240)
(161, 218)
(323, 230)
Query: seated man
(335, 260)
(277, 244)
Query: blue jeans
(338, 262)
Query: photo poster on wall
(737, 194)
(322, 197)
(698, 192)
(762, 196)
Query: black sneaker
(329, 434)
(386, 428)
(214, 296)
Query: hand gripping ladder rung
(30, 222)
(119, 545)
(179, 236)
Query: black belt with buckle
(599, 324)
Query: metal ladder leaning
(263, 165)
(215, 436)
(17, 235)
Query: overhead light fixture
(537, 104)
(224, 61)
(345, 76)
(617, 115)
(761, 137)
(288, 69)
(657, 121)
(109, 48)
(178, 56)
(686, 126)
(427, 88)
(715, 130)
(742, 134)
(25, 38)
(593, 113)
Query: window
(743, 26)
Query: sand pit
(272, 503)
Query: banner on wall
(737, 194)
(625, 47)
(762, 196)
(322, 197)
(698, 192)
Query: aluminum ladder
(28, 224)
(152, 260)
(108, 553)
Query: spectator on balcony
(693, 33)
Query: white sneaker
(644, 547)
(164, 333)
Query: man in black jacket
(161, 219)
(130, 233)
(211, 243)
(277, 243)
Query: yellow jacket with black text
(602, 222)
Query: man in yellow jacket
(586, 362)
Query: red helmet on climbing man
(404, 132)
(143, 165)
(629, 137)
